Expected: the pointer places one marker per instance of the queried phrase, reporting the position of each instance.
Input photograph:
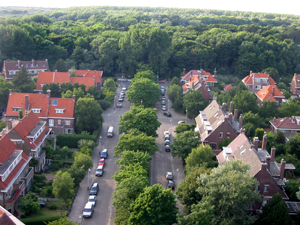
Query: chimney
(256, 142)
(74, 98)
(264, 167)
(26, 104)
(241, 121)
(250, 71)
(273, 88)
(10, 91)
(215, 72)
(184, 69)
(33, 62)
(235, 115)
(46, 60)
(268, 161)
(242, 131)
(273, 153)
(70, 72)
(264, 142)
(19, 63)
(282, 169)
(9, 124)
(48, 93)
(55, 71)
(230, 117)
(224, 106)
(231, 107)
(201, 71)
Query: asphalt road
(161, 163)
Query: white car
(166, 133)
(164, 108)
(92, 199)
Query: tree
(60, 66)
(143, 119)
(293, 147)
(268, 110)
(82, 160)
(54, 88)
(77, 173)
(200, 157)
(275, 212)
(228, 204)
(146, 74)
(187, 192)
(224, 143)
(131, 157)
(245, 102)
(259, 132)
(133, 170)
(193, 102)
(4, 91)
(22, 82)
(290, 108)
(174, 92)
(88, 114)
(183, 144)
(143, 92)
(63, 186)
(160, 210)
(62, 221)
(110, 85)
(29, 204)
(175, 80)
(133, 142)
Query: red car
(162, 81)
(101, 162)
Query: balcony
(28, 176)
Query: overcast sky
(270, 6)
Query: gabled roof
(17, 100)
(26, 125)
(200, 73)
(269, 93)
(6, 218)
(91, 73)
(248, 80)
(33, 64)
(286, 123)
(87, 81)
(7, 147)
(67, 104)
(51, 77)
(228, 87)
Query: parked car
(92, 199)
(99, 171)
(168, 114)
(163, 102)
(167, 137)
(164, 108)
(167, 148)
(162, 87)
(121, 99)
(179, 122)
(124, 87)
(101, 162)
(163, 98)
(171, 184)
(119, 105)
(169, 176)
(166, 133)
(162, 81)
(104, 154)
(94, 189)
(88, 210)
(167, 142)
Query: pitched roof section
(269, 93)
(66, 104)
(35, 101)
(286, 123)
(201, 74)
(33, 64)
(7, 147)
(51, 77)
(91, 73)
(87, 81)
(228, 87)
(250, 78)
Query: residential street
(161, 163)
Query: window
(59, 110)
(51, 122)
(36, 110)
(257, 87)
(54, 102)
(264, 202)
(16, 109)
(43, 65)
(42, 85)
(11, 72)
(228, 135)
(266, 188)
(221, 134)
(59, 122)
(257, 80)
(213, 146)
(26, 65)
(67, 122)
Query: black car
(168, 114)
(167, 148)
(171, 184)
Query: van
(99, 171)
(88, 210)
(110, 131)
(94, 189)
(104, 154)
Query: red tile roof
(227, 87)
(249, 79)
(199, 73)
(287, 123)
(91, 73)
(7, 147)
(39, 101)
(51, 77)
(68, 104)
(87, 81)
(269, 93)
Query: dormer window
(59, 110)
(35, 110)
(16, 109)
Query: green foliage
(63, 186)
(146, 74)
(293, 146)
(160, 210)
(140, 118)
(71, 140)
(176, 81)
(86, 150)
(131, 157)
(4, 90)
(82, 160)
(41, 220)
(245, 102)
(275, 212)
(174, 92)
(290, 108)
(63, 221)
(224, 143)
(184, 127)
(259, 132)
(54, 88)
(29, 204)
(85, 142)
(200, 157)
(183, 144)
(22, 82)
(77, 173)
(133, 170)
(3, 124)
(49, 151)
(193, 102)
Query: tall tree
(140, 118)
(29, 204)
(193, 102)
(4, 91)
(161, 209)
(63, 186)
(22, 82)
(54, 88)
(131, 157)
(290, 108)
(275, 212)
(146, 74)
(245, 102)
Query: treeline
(164, 40)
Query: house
(257, 81)
(263, 167)
(10, 69)
(29, 134)
(16, 175)
(215, 124)
(295, 85)
(209, 79)
(59, 113)
(196, 83)
(228, 87)
(6, 218)
(86, 77)
(290, 126)
(270, 93)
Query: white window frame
(266, 188)
(67, 122)
(59, 122)
(51, 122)
(221, 135)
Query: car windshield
(91, 200)
(99, 170)
(87, 210)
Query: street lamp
(89, 178)
(186, 116)
(168, 104)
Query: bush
(105, 104)
(40, 220)
(71, 140)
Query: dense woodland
(164, 40)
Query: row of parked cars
(91, 203)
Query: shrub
(104, 103)
(40, 220)
(71, 140)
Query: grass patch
(45, 212)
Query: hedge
(40, 220)
(71, 140)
